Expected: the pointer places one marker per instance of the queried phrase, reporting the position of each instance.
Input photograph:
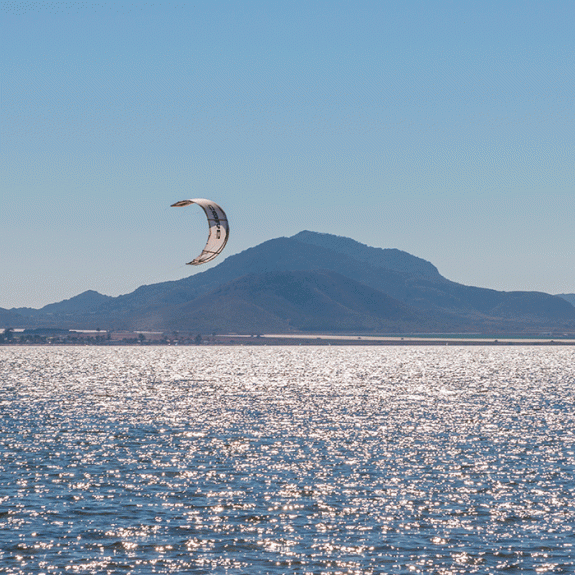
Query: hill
(570, 297)
(349, 289)
(85, 302)
(9, 318)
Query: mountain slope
(9, 318)
(288, 301)
(570, 297)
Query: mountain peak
(89, 299)
(387, 258)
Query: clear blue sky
(445, 129)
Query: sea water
(287, 460)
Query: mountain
(85, 302)
(9, 318)
(345, 286)
(280, 254)
(570, 297)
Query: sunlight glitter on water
(287, 459)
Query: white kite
(219, 229)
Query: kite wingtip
(181, 204)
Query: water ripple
(281, 460)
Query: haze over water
(287, 460)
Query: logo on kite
(219, 229)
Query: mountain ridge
(388, 258)
(390, 274)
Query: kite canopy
(219, 229)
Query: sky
(444, 129)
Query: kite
(219, 229)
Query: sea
(295, 459)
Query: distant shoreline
(139, 339)
(445, 340)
